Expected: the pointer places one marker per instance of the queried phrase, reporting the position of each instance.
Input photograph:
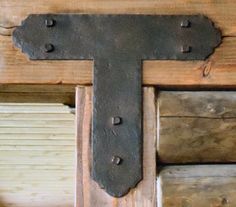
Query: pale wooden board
(36, 142)
(37, 116)
(36, 123)
(37, 154)
(10, 108)
(38, 130)
(198, 186)
(197, 126)
(218, 71)
(34, 136)
(89, 193)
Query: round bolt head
(185, 23)
(49, 22)
(48, 48)
(116, 120)
(116, 160)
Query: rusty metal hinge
(117, 44)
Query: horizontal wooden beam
(223, 13)
(218, 71)
(199, 127)
(38, 94)
(195, 186)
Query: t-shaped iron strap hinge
(118, 44)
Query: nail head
(116, 120)
(48, 47)
(49, 22)
(116, 160)
(185, 23)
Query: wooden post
(88, 193)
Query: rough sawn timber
(218, 71)
(197, 126)
(89, 194)
(198, 186)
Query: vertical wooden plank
(88, 193)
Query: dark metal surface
(117, 44)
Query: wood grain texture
(221, 12)
(14, 88)
(89, 193)
(37, 147)
(218, 71)
(208, 104)
(38, 94)
(197, 126)
(198, 186)
(197, 140)
(16, 68)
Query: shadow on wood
(1, 203)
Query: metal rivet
(48, 47)
(116, 120)
(185, 23)
(185, 49)
(116, 160)
(49, 22)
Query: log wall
(196, 127)
(192, 127)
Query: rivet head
(49, 22)
(186, 49)
(116, 120)
(116, 160)
(48, 48)
(185, 23)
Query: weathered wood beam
(218, 71)
(209, 185)
(197, 126)
(37, 94)
(221, 12)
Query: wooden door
(188, 115)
